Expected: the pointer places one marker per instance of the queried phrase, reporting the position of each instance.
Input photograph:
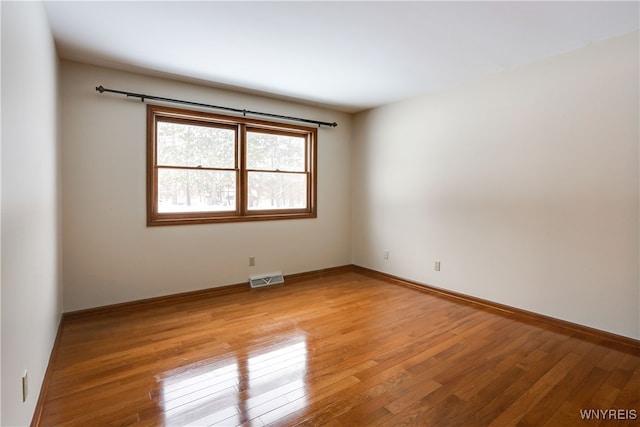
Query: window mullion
(242, 173)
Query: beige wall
(111, 256)
(523, 184)
(31, 290)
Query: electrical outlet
(436, 265)
(385, 254)
(252, 261)
(25, 386)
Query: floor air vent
(266, 280)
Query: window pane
(190, 145)
(275, 152)
(269, 190)
(191, 190)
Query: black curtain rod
(198, 104)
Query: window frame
(241, 125)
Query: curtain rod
(198, 104)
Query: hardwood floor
(343, 349)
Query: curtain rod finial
(100, 89)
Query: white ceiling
(347, 55)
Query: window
(204, 167)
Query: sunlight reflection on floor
(239, 389)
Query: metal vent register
(266, 280)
